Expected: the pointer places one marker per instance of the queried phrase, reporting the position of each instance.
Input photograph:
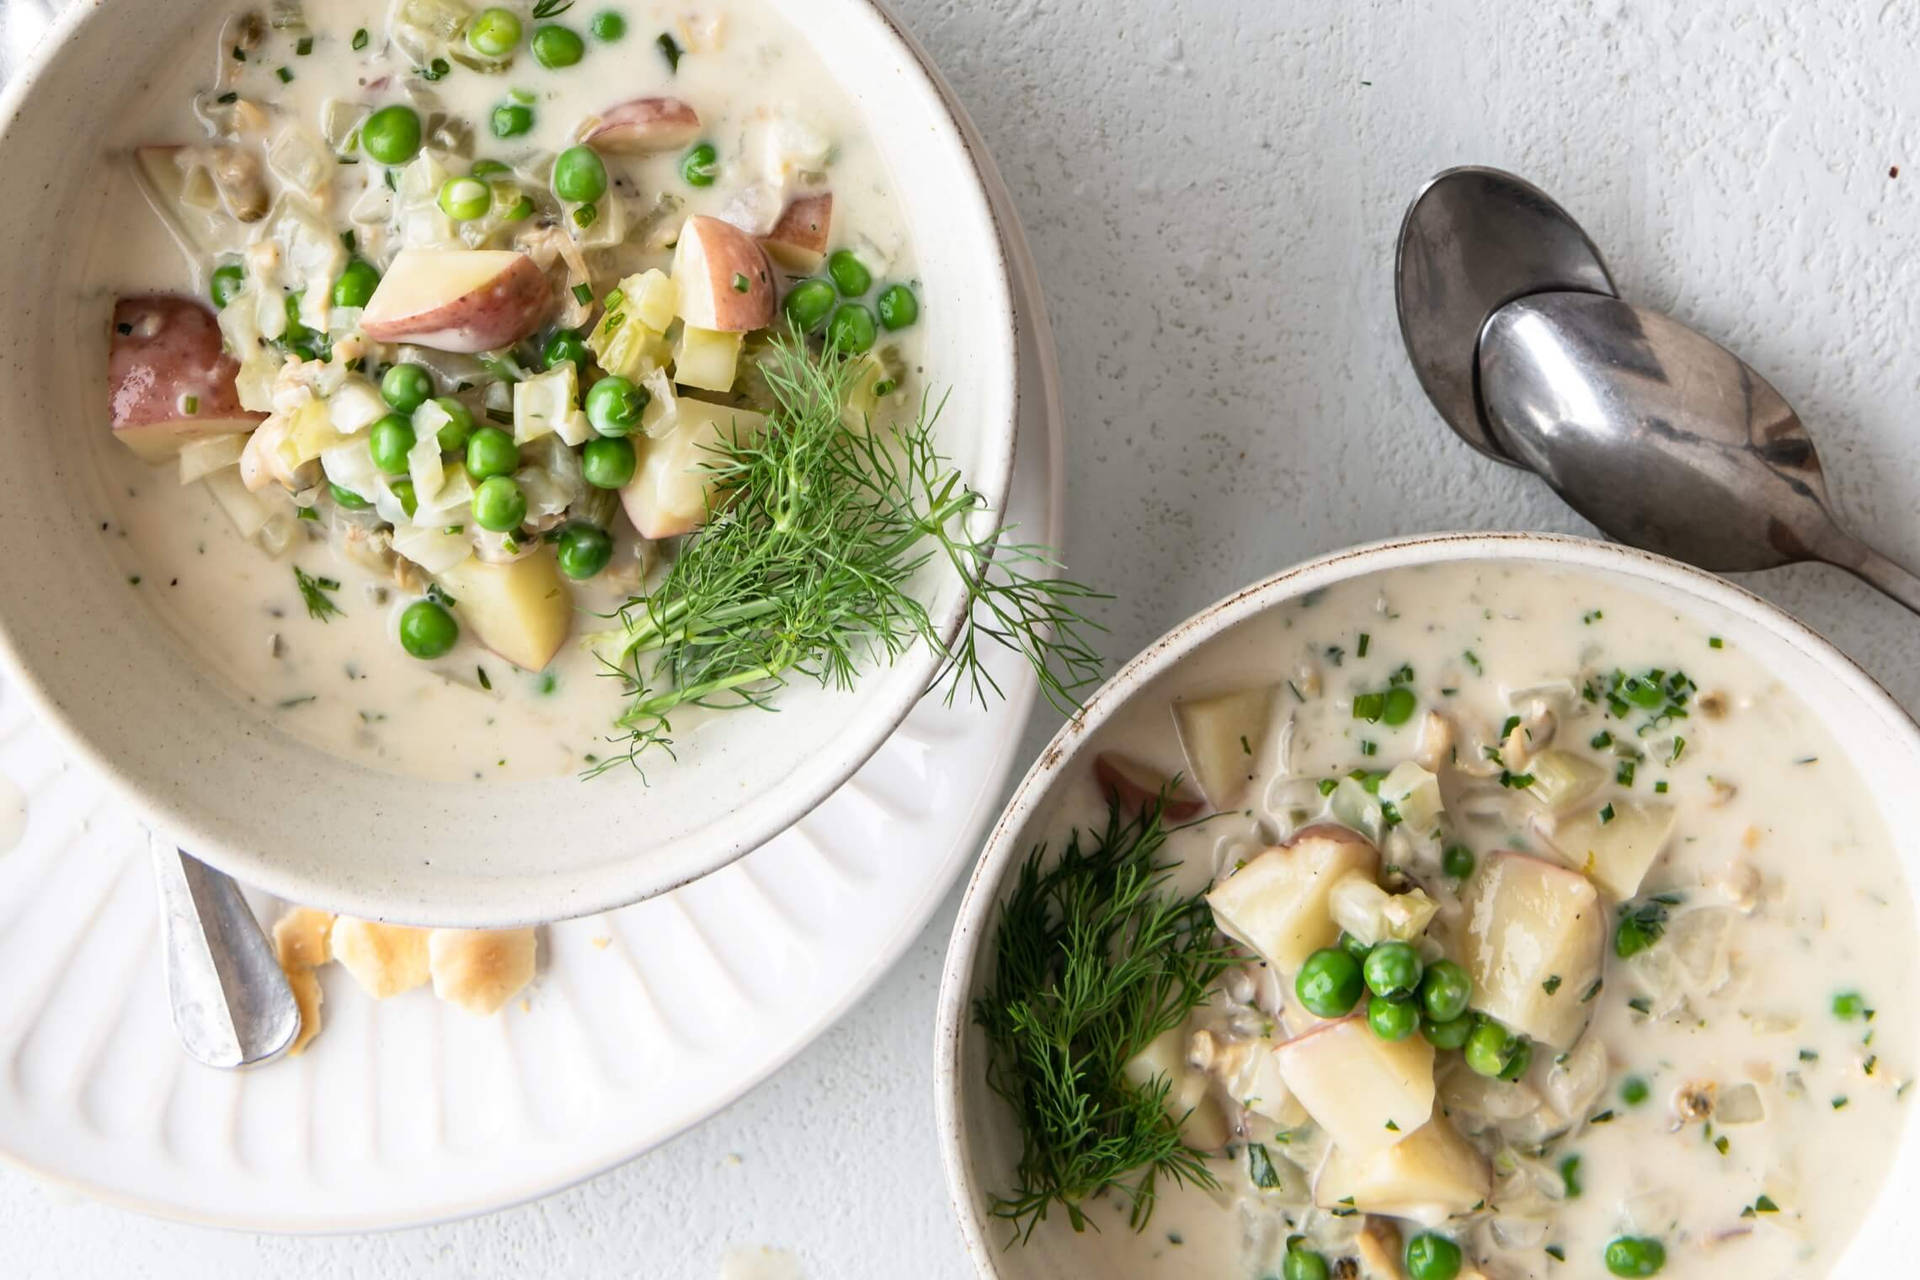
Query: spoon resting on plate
(232, 1004)
(1661, 437)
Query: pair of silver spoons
(1661, 437)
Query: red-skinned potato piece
(168, 379)
(1133, 786)
(723, 276)
(459, 300)
(799, 240)
(640, 126)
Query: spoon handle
(1874, 569)
(232, 1004)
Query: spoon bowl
(1663, 438)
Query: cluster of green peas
(490, 456)
(1405, 995)
(851, 326)
(1428, 1256)
(495, 33)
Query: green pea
(356, 284)
(1329, 983)
(491, 452)
(578, 175)
(897, 306)
(348, 498)
(556, 46)
(1457, 861)
(1447, 1035)
(510, 120)
(1398, 705)
(1633, 1091)
(464, 199)
(227, 282)
(1432, 1257)
(1393, 970)
(614, 405)
(297, 331)
(851, 329)
(427, 630)
(1445, 990)
(607, 464)
(701, 165)
(1491, 1048)
(406, 387)
(409, 501)
(1636, 1256)
(607, 26)
(499, 505)
(1304, 1264)
(1353, 946)
(494, 32)
(565, 345)
(1392, 1019)
(453, 433)
(584, 550)
(850, 275)
(391, 135)
(1522, 1059)
(809, 303)
(389, 442)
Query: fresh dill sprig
(314, 591)
(1095, 958)
(807, 568)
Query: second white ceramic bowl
(980, 1143)
(277, 814)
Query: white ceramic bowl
(979, 1140)
(278, 814)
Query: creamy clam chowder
(1557, 934)
(425, 321)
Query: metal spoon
(1473, 240)
(1664, 439)
(232, 1004)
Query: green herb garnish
(314, 592)
(807, 569)
(1095, 959)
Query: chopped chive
(1715, 642)
(285, 74)
(1366, 641)
(360, 38)
(582, 294)
(303, 46)
(671, 48)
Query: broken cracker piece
(480, 969)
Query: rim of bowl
(611, 885)
(1036, 789)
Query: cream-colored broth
(1774, 828)
(345, 685)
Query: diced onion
(201, 458)
(248, 513)
(355, 406)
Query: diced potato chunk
(1532, 945)
(651, 296)
(1367, 1093)
(1249, 1071)
(1223, 736)
(706, 358)
(1432, 1176)
(1202, 1124)
(674, 487)
(1618, 852)
(1278, 903)
(522, 609)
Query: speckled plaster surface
(1212, 191)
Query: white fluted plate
(641, 1022)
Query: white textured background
(1212, 191)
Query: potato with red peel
(1279, 904)
(642, 126)
(169, 381)
(724, 278)
(1133, 786)
(1533, 943)
(458, 300)
(798, 240)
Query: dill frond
(314, 592)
